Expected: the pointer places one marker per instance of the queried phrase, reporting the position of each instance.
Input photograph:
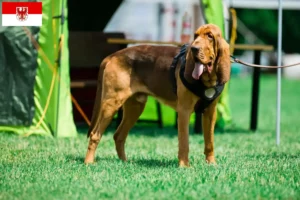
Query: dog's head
(210, 53)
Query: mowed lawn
(250, 165)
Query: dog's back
(148, 66)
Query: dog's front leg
(183, 138)
(208, 125)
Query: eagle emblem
(22, 13)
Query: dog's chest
(209, 80)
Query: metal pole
(279, 50)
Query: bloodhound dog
(188, 79)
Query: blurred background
(257, 24)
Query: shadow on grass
(80, 159)
(235, 130)
(143, 162)
(154, 163)
(76, 159)
(275, 155)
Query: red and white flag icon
(21, 13)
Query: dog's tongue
(198, 70)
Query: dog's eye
(210, 36)
(195, 36)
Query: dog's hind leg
(108, 109)
(132, 109)
(110, 97)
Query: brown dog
(128, 76)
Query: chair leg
(159, 115)
(198, 123)
(119, 117)
(176, 122)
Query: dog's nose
(194, 49)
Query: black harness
(198, 88)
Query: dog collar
(207, 95)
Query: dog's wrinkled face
(205, 49)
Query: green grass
(250, 165)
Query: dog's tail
(97, 104)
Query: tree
(264, 24)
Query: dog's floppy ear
(195, 35)
(223, 61)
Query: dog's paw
(89, 161)
(184, 164)
(211, 160)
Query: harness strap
(181, 56)
(198, 88)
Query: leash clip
(234, 59)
